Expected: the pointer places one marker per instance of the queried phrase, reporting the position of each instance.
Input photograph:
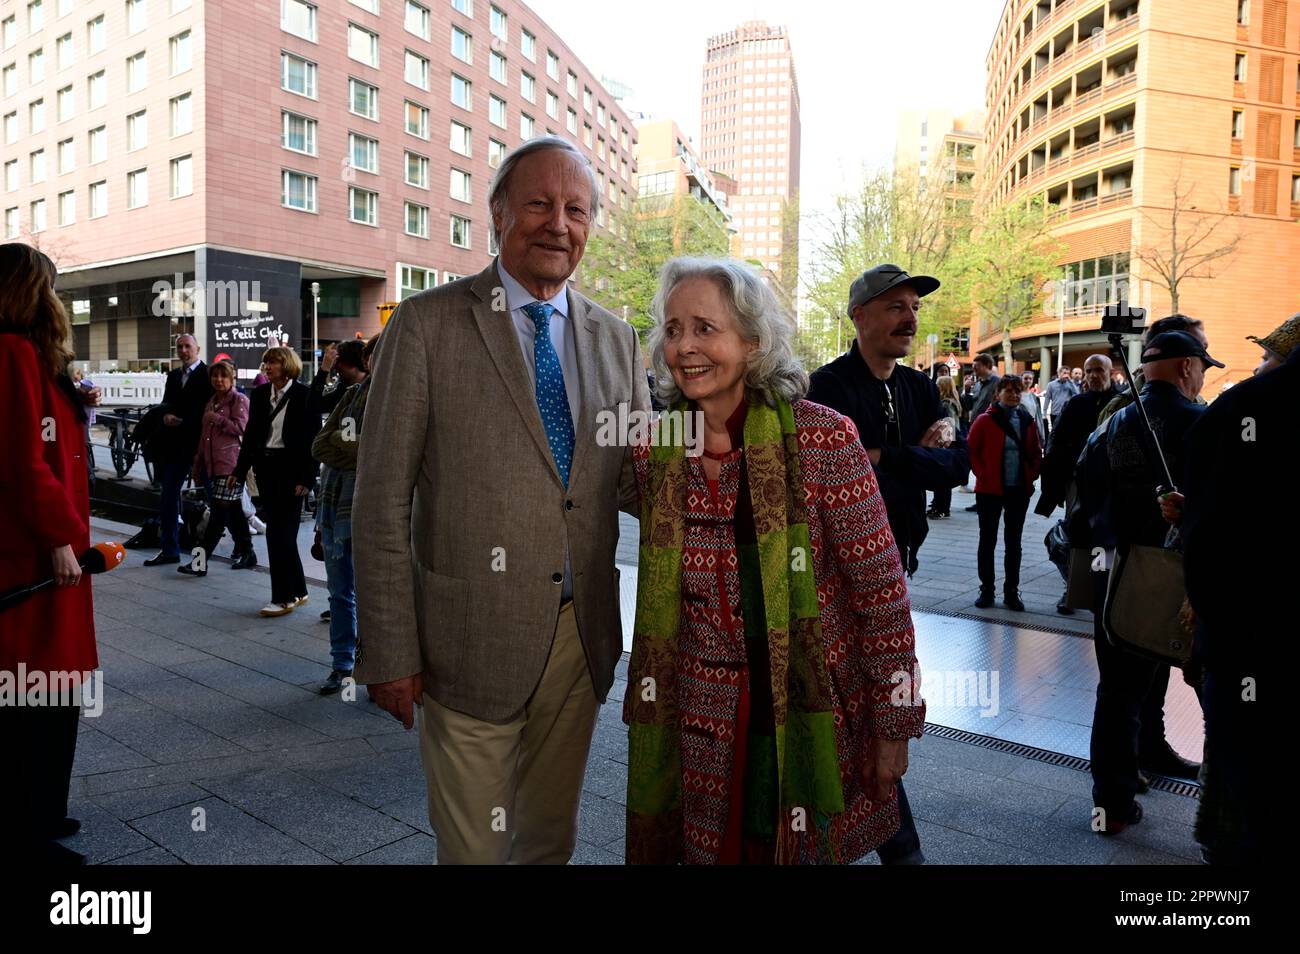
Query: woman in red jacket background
(46, 507)
(1006, 455)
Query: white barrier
(129, 388)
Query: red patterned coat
(866, 620)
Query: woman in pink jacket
(224, 420)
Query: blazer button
(568, 505)
(557, 577)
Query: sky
(858, 63)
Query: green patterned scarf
(808, 825)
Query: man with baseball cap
(904, 428)
(1119, 478)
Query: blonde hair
(287, 357)
(948, 389)
(221, 369)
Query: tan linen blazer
(460, 520)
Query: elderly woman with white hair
(773, 688)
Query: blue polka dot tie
(552, 399)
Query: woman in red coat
(1006, 455)
(46, 502)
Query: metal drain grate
(1018, 623)
(1159, 783)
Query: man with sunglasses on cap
(903, 426)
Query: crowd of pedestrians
(482, 600)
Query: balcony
(1096, 204)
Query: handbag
(223, 494)
(1057, 542)
(1144, 600)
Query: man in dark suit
(184, 397)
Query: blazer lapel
(498, 332)
(586, 343)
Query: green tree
(620, 268)
(1005, 266)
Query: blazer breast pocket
(443, 608)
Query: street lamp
(315, 312)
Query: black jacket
(178, 444)
(320, 402)
(1078, 419)
(1119, 471)
(977, 403)
(300, 427)
(905, 472)
(1239, 521)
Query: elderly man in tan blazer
(487, 518)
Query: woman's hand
(299, 490)
(884, 767)
(1171, 507)
(67, 571)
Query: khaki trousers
(508, 793)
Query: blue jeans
(172, 475)
(343, 599)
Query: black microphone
(100, 558)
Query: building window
(571, 84)
(460, 186)
(37, 166)
(180, 52)
(64, 104)
(11, 128)
(552, 105)
(9, 32)
(37, 209)
(98, 194)
(552, 66)
(462, 45)
(95, 35)
(461, 138)
(413, 279)
(1243, 12)
(67, 157)
(497, 67)
(97, 144)
(11, 175)
(10, 74)
(137, 72)
(182, 117)
(364, 152)
(417, 220)
(496, 152)
(96, 90)
(600, 114)
(11, 223)
(136, 16)
(586, 135)
(460, 228)
(417, 120)
(496, 110)
(462, 91)
(1234, 181)
(494, 247)
(417, 170)
(67, 207)
(586, 99)
(370, 6)
(182, 177)
(298, 191)
(464, 6)
(1239, 73)
(363, 206)
(499, 25)
(298, 133)
(137, 188)
(572, 121)
(1238, 124)
(363, 99)
(63, 51)
(137, 131)
(363, 45)
(298, 18)
(417, 20)
(1295, 189)
(527, 87)
(528, 44)
(527, 127)
(298, 75)
(36, 66)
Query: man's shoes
(1063, 609)
(1165, 761)
(64, 829)
(188, 570)
(162, 559)
(278, 609)
(1012, 602)
(972, 508)
(985, 599)
(299, 601)
(325, 616)
(335, 681)
(244, 561)
(1114, 824)
(937, 514)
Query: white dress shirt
(275, 437)
(185, 375)
(517, 296)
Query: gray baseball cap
(878, 280)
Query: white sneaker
(277, 609)
(256, 526)
(299, 601)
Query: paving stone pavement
(213, 747)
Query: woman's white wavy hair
(772, 369)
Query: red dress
(46, 504)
